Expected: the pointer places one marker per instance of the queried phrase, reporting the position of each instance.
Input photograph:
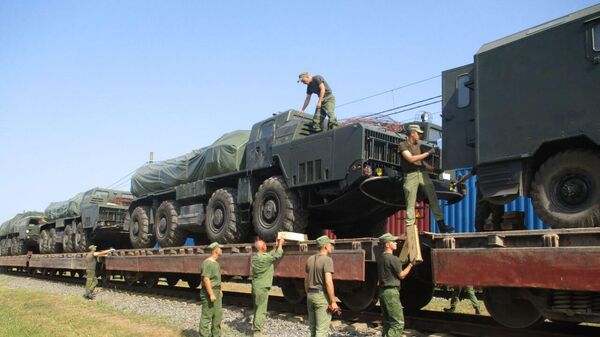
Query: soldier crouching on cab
(414, 177)
(211, 295)
(390, 272)
(262, 280)
(318, 284)
(91, 281)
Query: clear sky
(89, 88)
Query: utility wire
(401, 106)
(411, 108)
(387, 91)
(120, 181)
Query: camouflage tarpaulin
(64, 209)
(223, 156)
(11, 226)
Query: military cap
(387, 237)
(323, 240)
(414, 127)
(92, 247)
(214, 245)
(303, 74)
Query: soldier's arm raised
(411, 158)
(405, 271)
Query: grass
(30, 313)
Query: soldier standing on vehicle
(91, 281)
(456, 298)
(484, 207)
(262, 280)
(414, 177)
(318, 284)
(390, 272)
(326, 103)
(211, 295)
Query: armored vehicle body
(21, 233)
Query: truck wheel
(166, 229)
(19, 247)
(82, 239)
(67, 241)
(52, 247)
(276, 208)
(223, 220)
(566, 189)
(43, 243)
(2, 247)
(139, 230)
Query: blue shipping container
(462, 214)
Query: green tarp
(223, 156)
(11, 226)
(64, 209)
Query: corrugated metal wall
(462, 214)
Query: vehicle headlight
(27, 231)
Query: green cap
(92, 247)
(214, 245)
(414, 127)
(387, 237)
(303, 74)
(323, 240)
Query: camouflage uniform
(91, 281)
(212, 312)
(262, 280)
(388, 271)
(456, 298)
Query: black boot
(444, 228)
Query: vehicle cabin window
(266, 130)
(101, 194)
(434, 135)
(596, 36)
(463, 92)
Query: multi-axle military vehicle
(21, 233)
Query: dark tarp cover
(64, 209)
(11, 226)
(225, 155)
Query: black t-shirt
(388, 270)
(414, 150)
(313, 86)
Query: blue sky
(89, 88)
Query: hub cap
(573, 190)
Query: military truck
(279, 176)
(21, 233)
(93, 217)
(526, 113)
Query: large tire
(566, 189)
(139, 229)
(18, 247)
(52, 246)
(3, 247)
(223, 221)
(68, 240)
(82, 238)
(43, 243)
(276, 208)
(166, 229)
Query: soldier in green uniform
(414, 177)
(91, 281)
(390, 272)
(318, 284)
(326, 103)
(456, 298)
(210, 294)
(262, 280)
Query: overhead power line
(411, 108)
(387, 91)
(376, 114)
(121, 181)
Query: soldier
(484, 207)
(210, 293)
(390, 272)
(91, 281)
(414, 177)
(326, 103)
(262, 280)
(456, 298)
(318, 284)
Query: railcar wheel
(223, 221)
(360, 297)
(131, 278)
(193, 281)
(566, 189)
(415, 293)
(166, 229)
(82, 239)
(508, 308)
(150, 281)
(276, 208)
(139, 229)
(293, 290)
(172, 280)
(68, 240)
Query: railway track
(423, 321)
